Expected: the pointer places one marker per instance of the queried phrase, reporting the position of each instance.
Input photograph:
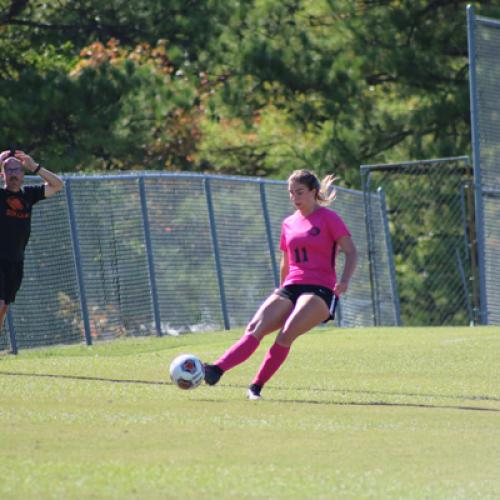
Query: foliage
(247, 87)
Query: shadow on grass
(85, 377)
(297, 401)
(382, 403)
(367, 403)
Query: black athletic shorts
(11, 276)
(293, 292)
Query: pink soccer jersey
(311, 246)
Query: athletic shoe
(253, 392)
(212, 374)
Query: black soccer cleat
(212, 374)
(253, 392)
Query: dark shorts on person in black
(11, 276)
(293, 292)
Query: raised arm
(53, 183)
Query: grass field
(365, 413)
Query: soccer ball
(187, 371)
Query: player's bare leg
(270, 316)
(309, 311)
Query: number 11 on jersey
(298, 257)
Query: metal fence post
(390, 255)
(463, 214)
(339, 313)
(12, 331)
(215, 244)
(461, 272)
(476, 158)
(269, 233)
(365, 174)
(78, 263)
(149, 253)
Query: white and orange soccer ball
(187, 371)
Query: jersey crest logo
(314, 231)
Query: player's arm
(351, 258)
(53, 183)
(283, 267)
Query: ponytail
(325, 191)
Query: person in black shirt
(16, 203)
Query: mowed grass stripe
(353, 413)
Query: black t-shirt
(15, 220)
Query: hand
(26, 160)
(4, 155)
(340, 288)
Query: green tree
(244, 87)
(357, 82)
(73, 93)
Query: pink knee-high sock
(273, 360)
(238, 353)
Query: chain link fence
(484, 74)
(491, 199)
(430, 211)
(155, 254)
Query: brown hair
(325, 191)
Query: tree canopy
(252, 87)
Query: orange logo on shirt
(15, 203)
(16, 208)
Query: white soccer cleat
(253, 393)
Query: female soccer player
(309, 242)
